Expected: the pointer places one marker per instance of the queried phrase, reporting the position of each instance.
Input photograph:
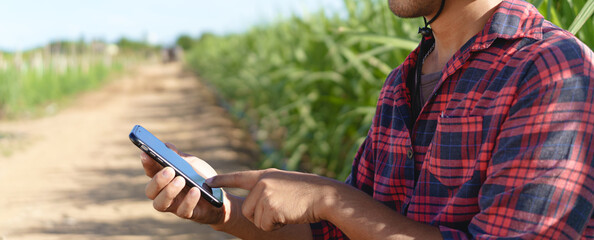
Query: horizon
(155, 22)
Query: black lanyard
(414, 82)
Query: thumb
(244, 180)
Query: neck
(459, 21)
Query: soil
(76, 175)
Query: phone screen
(150, 144)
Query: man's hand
(278, 198)
(169, 193)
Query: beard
(413, 8)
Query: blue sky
(27, 23)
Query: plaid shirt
(503, 148)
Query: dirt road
(76, 175)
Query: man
(500, 145)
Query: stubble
(413, 8)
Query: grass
(24, 90)
(34, 82)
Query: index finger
(244, 180)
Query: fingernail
(168, 172)
(178, 181)
(142, 158)
(194, 192)
(208, 181)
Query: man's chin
(413, 8)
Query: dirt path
(76, 175)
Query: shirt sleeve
(326, 230)
(539, 182)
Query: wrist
(231, 208)
(330, 200)
(340, 200)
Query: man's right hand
(169, 193)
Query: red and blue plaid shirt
(503, 148)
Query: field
(307, 86)
(35, 82)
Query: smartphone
(152, 146)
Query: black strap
(426, 31)
(416, 89)
(414, 82)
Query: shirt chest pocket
(455, 148)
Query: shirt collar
(512, 19)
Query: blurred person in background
(172, 54)
(486, 130)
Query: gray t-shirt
(428, 83)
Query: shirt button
(409, 153)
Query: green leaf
(394, 41)
(582, 17)
(537, 3)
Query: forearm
(238, 225)
(361, 217)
